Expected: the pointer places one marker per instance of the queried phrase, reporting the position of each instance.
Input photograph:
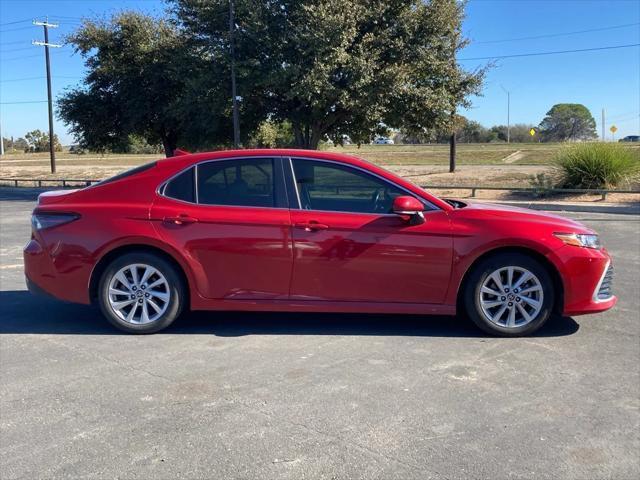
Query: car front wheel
(141, 293)
(509, 295)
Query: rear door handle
(311, 226)
(180, 220)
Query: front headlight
(579, 239)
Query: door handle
(180, 220)
(311, 226)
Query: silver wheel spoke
(496, 318)
(496, 278)
(523, 278)
(134, 274)
(510, 277)
(532, 302)
(154, 305)
(524, 312)
(123, 280)
(148, 271)
(511, 320)
(142, 305)
(156, 283)
(121, 305)
(493, 304)
(162, 296)
(115, 291)
(535, 288)
(132, 312)
(490, 291)
(144, 318)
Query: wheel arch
(543, 260)
(114, 253)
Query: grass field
(477, 164)
(467, 154)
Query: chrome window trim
(597, 289)
(434, 208)
(163, 185)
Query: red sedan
(292, 230)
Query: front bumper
(587, 279)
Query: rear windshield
(128, 173)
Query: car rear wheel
(509, 295)
(141, 293)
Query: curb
(620, 209)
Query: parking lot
(250, 395)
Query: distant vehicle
(383, 141)
(630, 138)
(305, 231)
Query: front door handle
(311, 226)
(181, 219)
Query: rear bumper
(59, 275)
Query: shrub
(543, 184)
(597, 165)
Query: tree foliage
(568, 121)
(339, 67)
(38, 141)
(142, 80)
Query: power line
(552, 35)
(38, 78)
(22, 102)
(19, 58)
(535, 54)
(16, 29)
(16, 21)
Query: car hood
(526, 215)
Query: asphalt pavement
(269, 395)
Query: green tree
(568, 121)
(38, 141)
(142, 80)
(340, 67)
(270, 134)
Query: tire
(158, 300)
(531, 301)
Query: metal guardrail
(65, 182)
(40, 182)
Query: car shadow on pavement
(22, 313)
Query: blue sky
(607, 79)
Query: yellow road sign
(613, 129)
(532, 132)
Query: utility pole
(234, 97)
(452, 152)
(1, 142)
(508, 113)
(45, 25)
(603, 137)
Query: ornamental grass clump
(597, 165)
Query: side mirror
(410, 207)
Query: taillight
(40, 221)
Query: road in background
(297, 395)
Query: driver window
(332, 187)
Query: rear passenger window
(181, 187)
(244, 182)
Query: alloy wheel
(139, 294)
(511, 297)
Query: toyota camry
(305, 231)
